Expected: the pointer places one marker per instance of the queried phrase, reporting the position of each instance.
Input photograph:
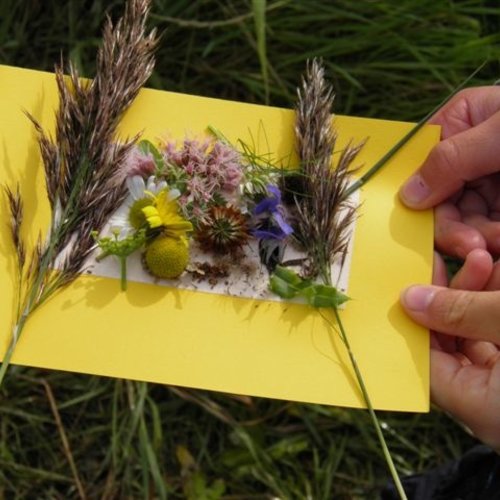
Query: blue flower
(269, 212)
(271, 203)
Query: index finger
(467, 109)
(461, 158)
(473, 315)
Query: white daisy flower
(128, 218)
(139, 189)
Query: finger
(474, 315)
(466, 110)
(451, 235)
(475, 272)
(440, 277)
(480, 352)
(464, 391)
(490, 230)
(472, 203)
(494, 281)
(454, 161)
(446, 343)
(488, 188)
(435, 341)
(439, 274)
(473, 275)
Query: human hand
(465, 340)
(461, 176)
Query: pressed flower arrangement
(201, 205)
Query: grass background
(66, 436)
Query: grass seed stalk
(323, 211)
(83, 182)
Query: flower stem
(373, 170)
(123, 273)
(16, 333)
(366, 397)
(31, 301)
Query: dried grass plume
(83, 179)
(323, 212)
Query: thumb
(473, 315)
(458, 159)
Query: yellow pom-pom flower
(167, 257)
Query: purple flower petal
(283, 225)
(266, 205)
(268, 234)
(269, 204)
(274, 191)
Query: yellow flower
(166, 257)
(164, 213)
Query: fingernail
(418, 298)
(414, 191)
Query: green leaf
(290, 277)
(218, 134)
(288, 284)
(324, 296)
(259, 12)
(387, 156)
(282, 288)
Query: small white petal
(173, 194)
(136, 186)
(119, 220)
(151, 184)
(161, 186)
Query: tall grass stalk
(366, 397)
(259, 12)
(323, 216)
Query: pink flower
(233, 178)
(224, 162)
(138, 163)
(200, 190)
(210, 168)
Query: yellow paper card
(202, 340)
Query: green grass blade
(259, 13)
(373, 170)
